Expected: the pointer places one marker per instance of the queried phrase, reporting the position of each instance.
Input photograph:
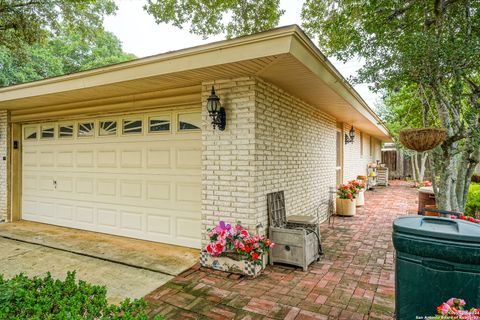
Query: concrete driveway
(127, 267)
(121, 281)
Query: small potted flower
(360, 187)
(233, 249)
(346, 200)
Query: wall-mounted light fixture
(351, 136)
(216, 111)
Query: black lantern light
(351, 136)
(216, 111)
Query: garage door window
(30, 133)
(65, 131)
(132, 126)
(48, 132)
(86, 129)
(158, 124)
(189, 121)
(108, 128)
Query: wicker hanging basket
(422, 139)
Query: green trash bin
(436, 259)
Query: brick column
(3, 164)
(228, 171)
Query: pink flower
(244, 233)
(443, 309)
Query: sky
(141, 36)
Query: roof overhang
(285, 57)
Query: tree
(25, 22)
(63, 54)
(208, 17)
(432, 45)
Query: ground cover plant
(473, 200)
(22, 297)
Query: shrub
(473, 200)
(22, 297)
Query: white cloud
(141, 36)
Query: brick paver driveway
(354, 280)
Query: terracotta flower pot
(346, 207)
(360, 200)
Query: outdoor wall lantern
(351, 136)
(216, 111)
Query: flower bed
(465, 218)
(455, 309)
(233, 249)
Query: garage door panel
(85, 214)
(107, 217)
(132, 158)
(144, 186)
(84, 159)
(46, 159)
(107, 159)
(64, 159)
(132, 189)
(29, 159)
(159, 158)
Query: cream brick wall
(295, 152)
(3, 164)
(228, 157)
(354, 162)
(272, 142)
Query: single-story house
(130, 150)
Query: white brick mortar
(3, 164)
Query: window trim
(47, 125)
(188, 130)
(37, 135)
(100, 127)
(62, 124)
(167, 115)
(78, 129)
(138, 118)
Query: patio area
(354, 280)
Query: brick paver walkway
(354, 280)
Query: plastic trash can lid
(441, 228)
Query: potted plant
(346, 204)
(233, 249)
(360, 187)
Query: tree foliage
(66, 53)
(47, 38)
(32, 21)
(207, 17)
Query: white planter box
(228, 264)
(360, 200)
(346, 207)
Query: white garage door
(137, 176)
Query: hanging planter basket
(422, 139)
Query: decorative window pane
(30, 133)
(132, 126)
(189, 121)
(108, 128)
(48, 132)
(159, 124)
(86, 129)
(65, 131)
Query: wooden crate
(297, 247)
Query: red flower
(218, 247)
(255, 256)
(244, 233)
